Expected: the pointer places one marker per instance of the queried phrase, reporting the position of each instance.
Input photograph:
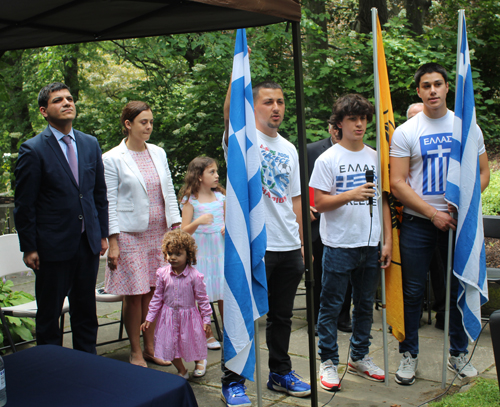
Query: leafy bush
(491, 195)
(20, 328)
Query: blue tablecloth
(54, 376)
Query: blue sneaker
(234, 395)
(289, 383)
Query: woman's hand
(113, 252)
(145, 325)
(223, 230)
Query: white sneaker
(407, 369)
(328, 376)
(460, 364)
(366, 368)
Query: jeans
(345, 314)
(284, 271)
(418, 241)
(360, 265)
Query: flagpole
(450, 238)
(258, 379)
(379, 204)
(447, 309)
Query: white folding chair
(102, 296)
(12, 262)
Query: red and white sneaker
(366, 368)
(328, 376)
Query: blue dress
(210, 242)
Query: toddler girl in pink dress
(180, 326)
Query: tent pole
(306, 222)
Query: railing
(6, 215)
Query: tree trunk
(318, 10)
(363, 22)
(70, 61)
(18, 105)
(415, 13)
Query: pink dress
(179, 325)
(140, 252)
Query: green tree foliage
(21, 329)
(491, 196)
(349, 63)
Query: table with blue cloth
(53, 376)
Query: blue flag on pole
(245, 289)
(463, 190)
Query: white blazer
(127, 193)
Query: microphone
(369, 178)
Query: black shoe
(345, 327)
(440, 321)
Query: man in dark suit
(314, 150)
(61, 215)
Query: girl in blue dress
(203, 205)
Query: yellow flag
(393, 279)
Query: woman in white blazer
(142, 208)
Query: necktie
(73, 164)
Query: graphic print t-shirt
(338, 170)
(280, 182)
(428, 144)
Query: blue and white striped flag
(245, 289)
(463, 190)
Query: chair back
(491, 226)
(11, 257)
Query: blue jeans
(361, 266)
(418, 240)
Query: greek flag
(245, 289)
(463, 190)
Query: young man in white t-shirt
(284, 264)
(350, 230)
(419, 156)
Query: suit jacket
(49, 204)
(314, 150)
(127, 192)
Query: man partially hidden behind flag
(393, 278)
(278, 187)
(463, 190)
(419, 156)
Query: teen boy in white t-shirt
(351, 237)
(420, 151)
